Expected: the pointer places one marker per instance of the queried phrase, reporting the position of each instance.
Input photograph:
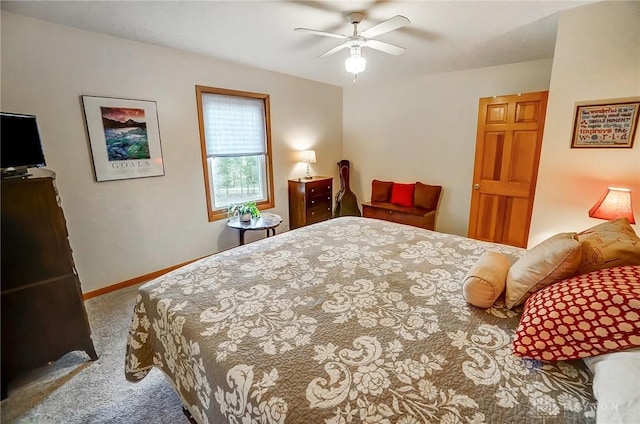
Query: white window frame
(214, 213)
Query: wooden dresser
(43, 313)
(309, 200)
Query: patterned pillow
(582, 316)
(612, 243)
(553, 260)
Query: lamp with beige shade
(308, 157)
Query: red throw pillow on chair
(402, 194)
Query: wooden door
(508, 146)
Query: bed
(349, 320)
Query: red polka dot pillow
(583, 316)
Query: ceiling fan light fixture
(355, 63)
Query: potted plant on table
(244, 211)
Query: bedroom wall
(597, 56)
(120, 230)
(424, 129)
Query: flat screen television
(20, 145)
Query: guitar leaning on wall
(346, 201)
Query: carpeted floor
(76, 390)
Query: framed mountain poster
(124, 137)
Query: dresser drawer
(318, 213)
(319, 200)
(318, 188)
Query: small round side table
(266, 221)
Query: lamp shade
(615, 203)
(308, 156)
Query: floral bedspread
(349, 320)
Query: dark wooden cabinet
(43, 313)
(417, 217)
(309, 200)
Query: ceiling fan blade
(385, 47)
(322, 33)
(333, 50)
(390, 24)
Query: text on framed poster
(605, 124)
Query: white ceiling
(443, 35)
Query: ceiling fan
(355, 63)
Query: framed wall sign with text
(606, 123)
(124, 136)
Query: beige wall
(424, 129)
(597, 57)
(124, 229)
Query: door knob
(476, 186)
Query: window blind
(233, 126)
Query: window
(235, 136)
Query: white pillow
(616, 386)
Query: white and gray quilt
(350, 320)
